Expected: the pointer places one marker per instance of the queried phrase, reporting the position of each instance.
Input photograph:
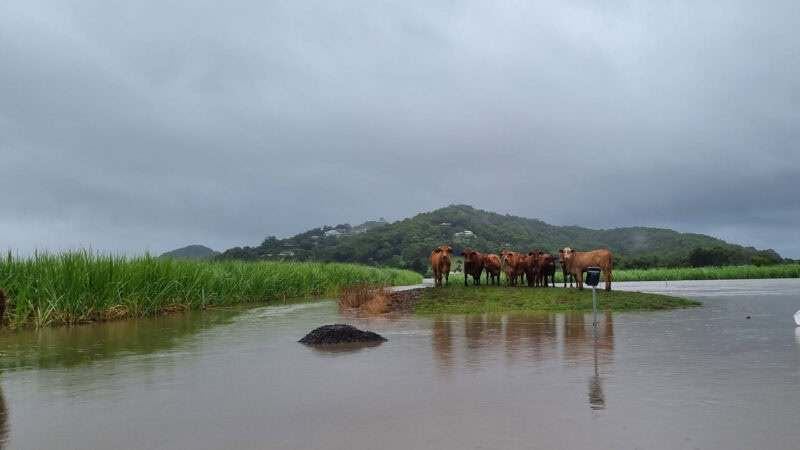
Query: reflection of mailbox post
(592, 279)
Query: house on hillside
(286, 254)
(336, 232)
(466, 234)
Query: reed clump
(83, 286)
(364, 298)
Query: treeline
(407, 243)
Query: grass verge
(707, 273)
(457, 299)
(81, 286)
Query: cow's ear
(437, 250)
(449, 249)
(530, 254)
(463, 253)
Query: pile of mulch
(339, 334)
(403, 301)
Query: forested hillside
(408, 243)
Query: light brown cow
(473, 265)
(566, 274)
(440, 263)
(577, 262)
(492, 264)
(510, 266)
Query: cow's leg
(607, 273)
(447, 278)
(465, 278)
(579, 280)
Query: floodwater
(705, 378)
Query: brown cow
(523, 263)
(546, 267)
(473, 265)
(543, 265)
(440, 263)
(564, 269)
(527, 266)
(492, 264)
(577, 262)
(510, 266)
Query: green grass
(707, 273)
(457, 299)
(80, 286)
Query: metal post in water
(594, 308)
(592, 279)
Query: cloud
(152, 125)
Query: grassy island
(458, 299)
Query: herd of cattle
(536, 266)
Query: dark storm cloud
(151, 125)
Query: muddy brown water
(236, 378)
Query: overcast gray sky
(149, 125)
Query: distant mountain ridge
(407, 243)
(190, 252)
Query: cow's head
(508, 256)
(445, 251)
(535, 256)
(564, 255)
(469, 254)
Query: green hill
(190, 252)
(408, 243)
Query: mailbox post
(592, 279)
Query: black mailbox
(592, 276)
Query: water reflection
(443, 344)
(3, 421)
(342, 348)
(84, 344)
(597, 399)
(566, 337)
(533, 335)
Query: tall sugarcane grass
(82, 286)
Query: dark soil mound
(338, 334)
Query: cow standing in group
(563, 263)
(473, 265)
(440, 263)
(493, 265)
(528, 267)
(546, 266)
(577, 262)
(510, 266)
(543, 266)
